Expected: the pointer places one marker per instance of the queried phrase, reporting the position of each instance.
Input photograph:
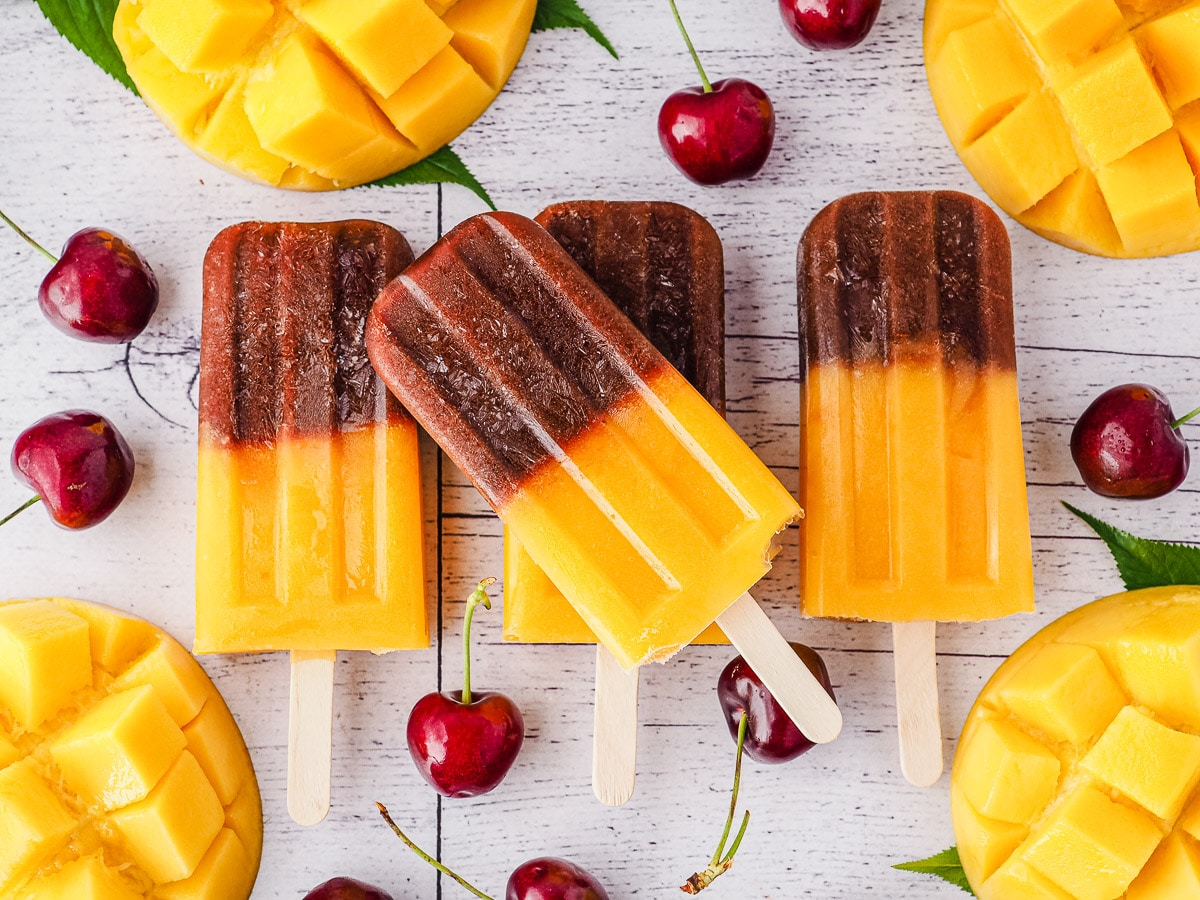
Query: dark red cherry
(346, 889)
(771, 736)
(720, 135)
(1127, 444)
(101, 289)
(829, 24)
(78, 463)
(465, 749)
(549, 878)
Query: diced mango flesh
(294, 93)
(1087, 152)
(1108, 693)
(111, 798)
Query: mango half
(320, 94)
(123, 775)
(1076, 774)
(1080, 118)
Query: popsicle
(911, 466)
(308, 512)
(633, 494)
(663, 266)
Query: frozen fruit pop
(622, 482)
(911, 464)
(309, 529)
(663, 266)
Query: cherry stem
(1180, 421)
(24, 506)
(722, 861)
(32, 243)
(479, 595)
(425, 856)
(691, 48)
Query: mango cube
(169, 832)
(33, 821)
(352, 28)
(204, 35)
(84, 879)
(1015, 880)
(1188, 126)
(943, 19)
(1173, 871)
(1075, 214)
(116, 640)
(119, 749)
(184, 99)
(1006, 774)
(45, 658)
(178, 681)
(416, 109)
(491, 35)
(1058, 28)
(1150, 192)
(1025, 156)
(213, 738)
(1173, 44)
(229, 138)
(1128, 756)
(221, 874)
(986, 842)
(1065, 691)
(244, 818)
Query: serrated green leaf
(569, 14)
(1145, 563)
(442, 167)
(945, 865)
(88, 25)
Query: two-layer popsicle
(308, 511)
(911, 465)
(622, 482)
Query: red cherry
(720, 135)
(78, 463)
(550, 878)
(829, 24)
(346, 889)
(771, 736)
(1127, 444)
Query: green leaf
(568, 14)
(88, 25)
(442, 167)
(945, 865)
(1145, 563)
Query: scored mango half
(1081, 118)
(1077, 773)
(122, 772)
(320, 94)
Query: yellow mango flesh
(1074, 115)
(319, 94)
(657, 552)
(939, 534)
(124, 787)
(314, 543)
(1109, 694)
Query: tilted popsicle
(911, 464)
(309, 530)
(622, 482)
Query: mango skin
(1076, 116)
(132, 781)
(319, 94)
(1123, 814)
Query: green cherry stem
(691, 48)
(479, 595)
(32, 243)
(408, 842)
(722, 861)
(1181, 420)
(24, 506)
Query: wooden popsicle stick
(914, 646)
(310, 735)
(614, 735)
(781, 671)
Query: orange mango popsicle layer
(309, 531)
(622, 482)
(912, 470)
(662, 265)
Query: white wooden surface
(78, 150)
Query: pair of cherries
(724, 131)
(77, 463)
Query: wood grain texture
(79, 150)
